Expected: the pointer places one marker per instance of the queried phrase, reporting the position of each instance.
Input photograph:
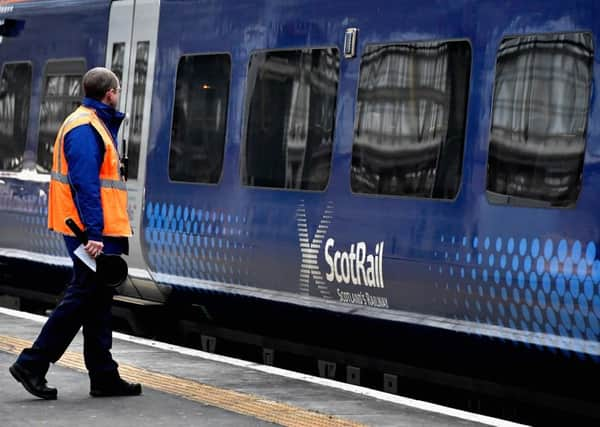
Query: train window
(290, 116)
(199, 118)
(539, 119)
(61, 95)
(409, 129)
(15, 94)
(137, 111)
(118, 60)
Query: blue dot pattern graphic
(200, 243)
(531, 284)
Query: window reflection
(291, 102)
(62, 95)
(118, 60)
(137, 111)
(410, 119)
(539, 119)
(15, 94)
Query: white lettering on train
(356, 266)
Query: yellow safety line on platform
(241, 403)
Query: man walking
(86, 186)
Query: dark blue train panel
(467, 262)
(444, 175)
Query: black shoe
(34, 384)
(115, 387)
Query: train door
(131, 53)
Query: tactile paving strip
(241, 403)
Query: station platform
(185, 387)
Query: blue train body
(525, 274)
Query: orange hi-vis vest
(113, 190)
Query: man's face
(113, 95)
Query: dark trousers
(85, 303)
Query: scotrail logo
(353, 265)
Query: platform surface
(184, 387)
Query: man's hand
(94, 248)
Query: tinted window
(61, 95)
(539, 119)
(290, 107)
(15, 94)
(199, 118)
(409, 130)
(137, 112)
(118, 60)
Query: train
(407, 182)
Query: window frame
(461, 184)
(501, 200)
(225, 137)
(42, 98)
(29, 116)
(246, 115)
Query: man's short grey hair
(98, 81)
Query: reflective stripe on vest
(106, 183)
(113, 190)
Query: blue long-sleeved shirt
(84, 151)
